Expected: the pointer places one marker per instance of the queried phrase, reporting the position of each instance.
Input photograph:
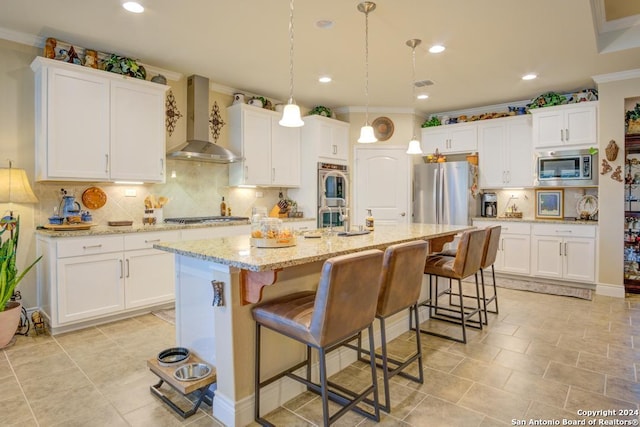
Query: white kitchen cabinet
(505, 152)
(86, 279)
(455, 138)
(327, 139)
(92, 125)
(514, 250)
(271, 153)
(564, 251)
(571, 125)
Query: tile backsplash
(525, 200)
(193, 189)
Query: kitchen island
(224, 335)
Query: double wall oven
(336, 193)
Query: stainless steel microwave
(576, 168)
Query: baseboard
(610, 290)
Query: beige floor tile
(441, 413)
(44, 366)
(483, 372)
(403, 398)
(312, 412)
(386, 420)
(618, 338)
(493, 402)
(106, 416)
(507, 342)
(524, 363)
(623, 389)
(492, 422)
(33, 353)
(602, 364)
(552, 352)
(15, 409)
(78, 402)
(442, 385)
(580, 400)
(538, 334)
(502, 328)
(542, 411)
(478, 351)
(56, 382)
(441, 360)
(624, 353)
(158, 415)
(537, 388)
(284, 417)
(9, 388)
(300, 400)
(586, 380)
(591, 345)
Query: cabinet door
(285, 154)
(137, 132)
(149, 278)
(333, 140)
(519, 153)
(547, 256)
(579, 259)
(77, 126)
(491, 154)
(256, 147)
(340, 142)
(514, 254)
(580, 126)
(90, 286)
(463, 139)
(433, 138)
(548, 128)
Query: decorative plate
(383, 128)
(587, 204)
(94, 198)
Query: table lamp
(15, 188)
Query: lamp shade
(414, 147)
(14, 187)
(291, 116)
(366, 135)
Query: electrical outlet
(259, 194)
(130, 192)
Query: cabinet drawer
(564, 230)
(147, 240)
(507, 227)
(89, 246)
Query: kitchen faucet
(344, 214)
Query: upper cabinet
(271, 153)
(326, 139)
(568, 125)
(505, 152)
(456, 138)
(92, 125)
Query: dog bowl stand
(165, 373)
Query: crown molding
(378, 110)
(620, 75)
(23, 38)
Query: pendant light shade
(414, 144)
(366, 133)
(291, 112)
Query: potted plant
(9, 279)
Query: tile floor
(543, 357)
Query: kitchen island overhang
(223, 335)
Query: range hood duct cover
(198, 147)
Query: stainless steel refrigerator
(442, 195)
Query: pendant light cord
(366, 61)
(413, 89)
(291, 52)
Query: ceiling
(244, 45)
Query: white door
(381, 183)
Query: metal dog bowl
(173, 356)
(192, 372)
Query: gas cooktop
(204, 219)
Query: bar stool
(400, 285)
(344, 305)
(489, 254)
(466, 262)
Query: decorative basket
(612, 151)
(633, 127)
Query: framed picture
(549, 204)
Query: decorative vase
(9, 321)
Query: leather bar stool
(400, 285)
(465, 263)
(344, 305)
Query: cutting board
(68, 227)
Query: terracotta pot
(9, 321)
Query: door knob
(403, 214)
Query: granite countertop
(102, 229)
(237, 251)
(538, 221)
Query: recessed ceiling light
(529, 76)
(324, 24)
(133, 7)
(422, 96)
(436, 48)
(324, 79)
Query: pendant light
(414, 144)
(366, 132)
(291, 112)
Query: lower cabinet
(514, 248)
(564, 251)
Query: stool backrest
(401, 276)
(491, 243)
(470, 253)
(347, 296)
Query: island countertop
(237, 251)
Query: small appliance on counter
(489, 205)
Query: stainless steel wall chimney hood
(198, 147)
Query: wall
(613, 90)
(196, 190)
